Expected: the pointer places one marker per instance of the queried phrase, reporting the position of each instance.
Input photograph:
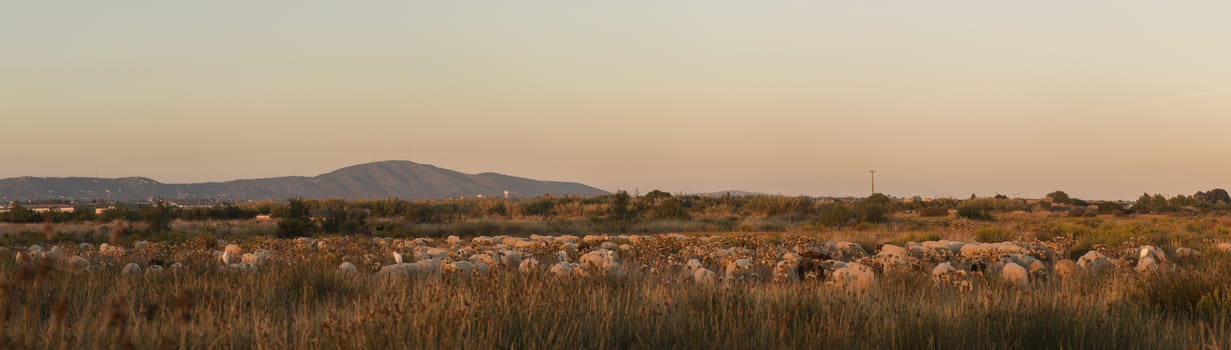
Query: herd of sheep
(704, 261)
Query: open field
(841, 288)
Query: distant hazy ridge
(401, 179)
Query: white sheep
(154, 269)
(1014, 274)
(741, 270)
(1065, 268)
(563, 267)
(249, 258)
(1146, 264)
(462, 267)
(945, 274)
(854, 277)
(1095, 263)
(528, 265)
(1147, 251)
(489, 258)
(787, 270)
(78, 264)
(107, 249)
(140, 245)
(131, 269)
(481, 268)
(1185, 252)
(699, 274)
(228, 259)
(347, 268)
(24, 257)
(453, 240)
(601, 260)
(510, 259)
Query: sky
(1101, 99)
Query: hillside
(401, 179)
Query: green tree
(620, 208)
(1059, 197)
(158, 217)
(296, 220)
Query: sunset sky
(1102, 99)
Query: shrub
(975, 210)
(934, 212)
(914, 237)
(994, 234)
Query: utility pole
(873, 172)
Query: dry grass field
(643, 294)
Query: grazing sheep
(490, 258)
(1184, 252)
(945, 274)
(849, 250)
(481, 268)
(563, 267)
(854, 277)
(602, 260)
(698, 274)
(1014, 274)
(1146, 264)
(131, 269)
(77, 264)
(107, 249)
(154, 270)
(1225, 247)
(462, 267)
(741, 270)
(894, 257)
(453, 240)
(1065, 269)
(347, 268)
(528, 265)
(1147, 251)
(510, 259)
(942, 269)
(228, 259)
(234, 249)
(784, 271)
(249, 258)
(24, 257)
(1095, 263)
(140, 245)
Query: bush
(914, 237)
(975, 210)
(994, 234)
(934, 212)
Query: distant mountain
(400, 179)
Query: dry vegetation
(297, 298)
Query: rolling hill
(400, 179)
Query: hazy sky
(1103, 99)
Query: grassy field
(298, 299)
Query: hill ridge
(383, 179)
